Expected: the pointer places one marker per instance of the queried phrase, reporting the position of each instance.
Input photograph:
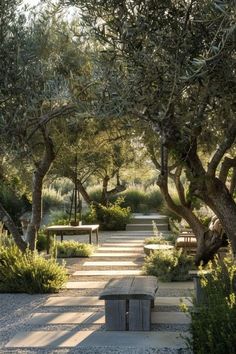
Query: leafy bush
(62, 185)
(41, 243)
(28, 272)
(111, 217)
(95, 194)
(52, 199)
(154, 199)
(135, 199)
(213, 325)
(168, 265)
(14, 205)
(68, 249)
(58, 218)
(155, 240)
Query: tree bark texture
(10, 225)
(42, 168)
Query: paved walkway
(73, 320)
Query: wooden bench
(63, 230)
(128, 303)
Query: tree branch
(57, 112)
(226, 165)
(222, 149)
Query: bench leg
(139, 315)
(97, 236)
(90, 237)
(115, 314)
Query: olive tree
(172, 67)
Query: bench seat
(128, 303)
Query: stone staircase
(141, 222)
(74, 319)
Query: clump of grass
(67, 249)
(29, 273)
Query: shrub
(95, 194)
(52, 199)
(213, 325)
(68, 249)
(29, 273)
(14, 205)
(168, 265)
(111, 217)
(135, 199)
(62, 185)
(155, 240)
(41, 242)
(58, 218)
(154, 199)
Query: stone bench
(128, 303)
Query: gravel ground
(17, 309)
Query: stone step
(112, 264)
(123, 244)
(98, 341)
(146, 227)
(98, 317)
(110, 273)
(120, 249)
(101, 284)
(117, 254)
(149, 220)
(66, 301)
(86, 284)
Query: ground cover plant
(29, 272)
(168, 265)
(213, 325)
(68, 249)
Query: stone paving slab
(73, 301)
(172, 301)
(119, 249)
(110, 273)
(127, 237)
(123, 244)
(84, 339)
(112, 264)
(116, 254)
(86, 284)
(122, 241)
(50, 318)
(98, 317)
(177, 285)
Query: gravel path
(17, 309)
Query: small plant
(67, 249)
(168, 265)
(29, 273)
(41, 242)
(213, 325)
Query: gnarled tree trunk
(42, 168)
